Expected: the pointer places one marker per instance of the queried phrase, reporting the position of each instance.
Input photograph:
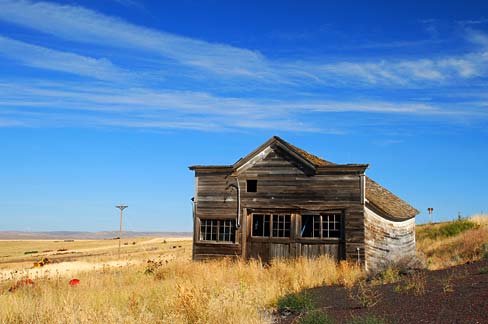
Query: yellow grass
(176, 291)
(480, 219)
(445, 252)
(12, 252)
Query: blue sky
(103, 102)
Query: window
(331, 225)
(322, 226)
(279, 225)
(227, 230)
(223, 230)
(252, 185)
(260, 225)
(310, 226)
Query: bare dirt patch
(457, 295)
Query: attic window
(252, 185)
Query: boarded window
(322, 226)
(252, 185)
(223, 230)
(260, 225)
(279, 225)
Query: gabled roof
(376, 195)
(306, 157)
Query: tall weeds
(448, 244)
(180, 291)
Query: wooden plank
(283, 184)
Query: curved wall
(387, 241)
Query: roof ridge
(315, 160)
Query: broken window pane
(310, 226)
(260, 225)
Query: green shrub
(390, 275)
(364, 294)
(298, 303)
(369, 319)
(448, 229)
(483, 270)
(315, 317)
(484, 251)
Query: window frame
(322, 215)
(255, 185)
(271, 226)
(219, 222)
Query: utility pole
(121, 207)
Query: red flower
(74, 282)
(20, 283)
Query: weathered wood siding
(284, 185)
(387, 241)
(214, 201)
(213, 198)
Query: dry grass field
(170, 288)
(448, 244)
(66, 258)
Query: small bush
(315, 317)
(415, 283)
(483, 270)
(447, 230)
(369, 319)
(365, 294)
(297, 303)
(484, 251)
(390, 275)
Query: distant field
(18, 256)
(76, 235)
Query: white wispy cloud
(75, 23)
(477, 37)
(87, 26)
(45, 58)
(102, 105)
(279, 88)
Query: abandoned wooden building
(281, 201)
